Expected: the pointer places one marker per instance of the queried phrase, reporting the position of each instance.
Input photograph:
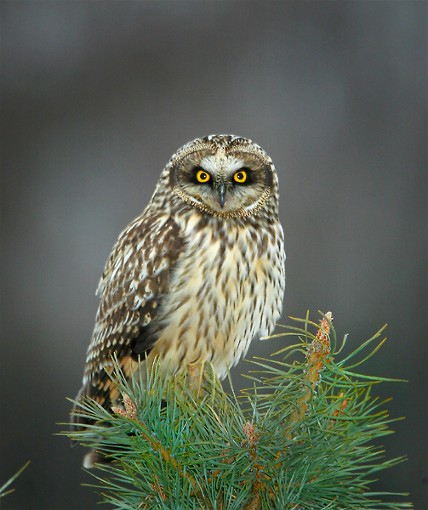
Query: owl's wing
(135, 280)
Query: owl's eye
(202, 176)
(240, 176)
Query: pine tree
(304, 436)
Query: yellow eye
(240, 176)
(202, 176)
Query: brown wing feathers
(135, 279)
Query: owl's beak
(221, 194)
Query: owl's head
(224, 175)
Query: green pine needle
(305, 435)
(3, 491)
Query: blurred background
(95, 98)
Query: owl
(199, 274)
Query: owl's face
(223, 175)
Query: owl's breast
(226, 289)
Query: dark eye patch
(200, 176)
(243, 177)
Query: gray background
(96, 96)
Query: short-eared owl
(199, 273)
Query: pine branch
(304, 436)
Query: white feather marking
(219, 163)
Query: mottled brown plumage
(199, 273)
